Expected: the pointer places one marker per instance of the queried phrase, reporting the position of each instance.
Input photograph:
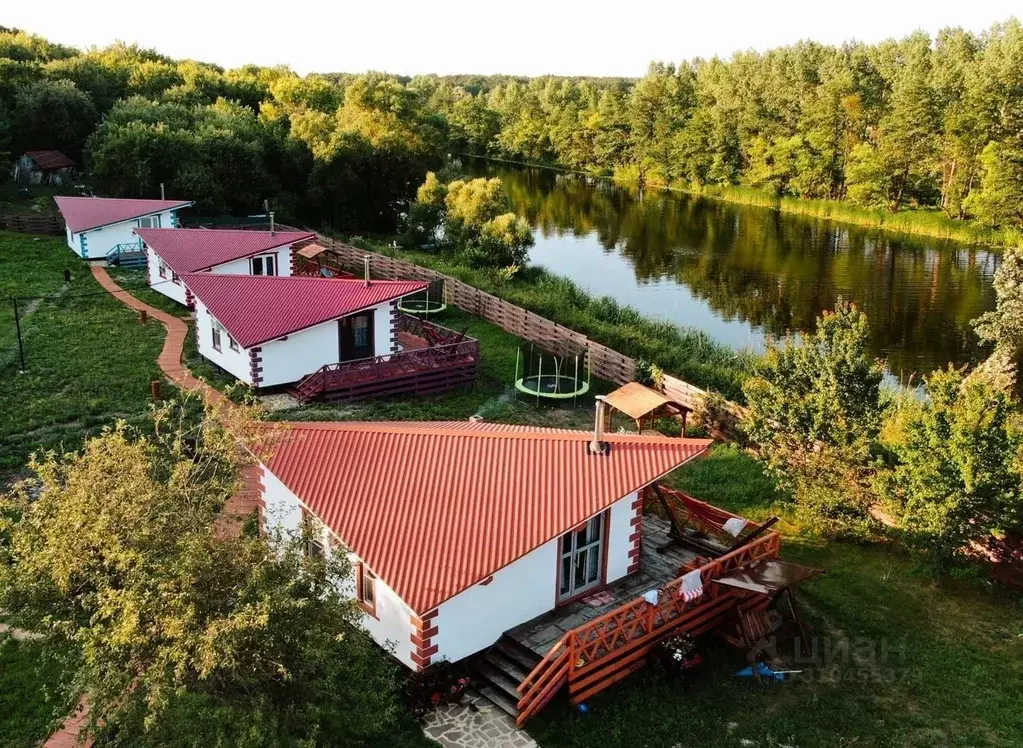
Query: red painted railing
(447, 359)
(603, 651)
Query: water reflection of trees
(772, 270)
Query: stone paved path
(475, 723)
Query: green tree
(999, 199)
(128, 557)
(1002, 327)
(53, 115)
(814, 413)
(958, 455)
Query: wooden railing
(603, 651)
(606, 363)
(445, 349)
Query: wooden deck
(655, 570)
(591, 646)
(431, 359)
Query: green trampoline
(426, 303)
(547, 376)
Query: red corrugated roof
(258, 308)
(47, 160)
(189, 250)
(434, 508)
(84, 213)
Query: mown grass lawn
(932, 663)
(88, 360)
(33, 700)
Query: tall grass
(920, 221)
(686, 352)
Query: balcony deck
(430, 359)
(656, 569)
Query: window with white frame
(149, 222)
(264, 265)
(232, 343)
(163, 269)
(215, 327)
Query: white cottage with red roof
(472, 528)
(170, 253)
(96, 226)
(271, 330)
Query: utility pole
(21, 347)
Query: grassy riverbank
(930, 222)
(919, 221)
(686, 352)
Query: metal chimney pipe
(271, 223)
(365, 270)
(161, 192)
(597, 446)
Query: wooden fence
(720, 416)
(32, 224)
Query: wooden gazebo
(644, 406)
(317, 260)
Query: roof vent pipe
(598, 446)
(161, 192)
(365, 270)
(271, 223)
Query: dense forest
(916, 122)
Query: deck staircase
(128, 255)
(499, 671)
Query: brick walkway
(169, 360)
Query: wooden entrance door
(356, 336)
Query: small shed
(644, 405)
(43, 167)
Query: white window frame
(265, 261)
(151, 222)
(215, 331)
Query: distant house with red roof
(470, 529)
(270, 330)
(43, 167)
(96, 226)
(171, 253)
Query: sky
(524, 37)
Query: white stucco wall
(302, 353)
(165, 285)
(475, 618)
(243, 266)
(234, 362)
(618, 543)
(101, 240)
(391, 627)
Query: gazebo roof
(639, 401)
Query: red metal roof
(189, 250)
(258, 308)
(47, 160)
(84, 213)
(434, 508)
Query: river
(743, 273)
